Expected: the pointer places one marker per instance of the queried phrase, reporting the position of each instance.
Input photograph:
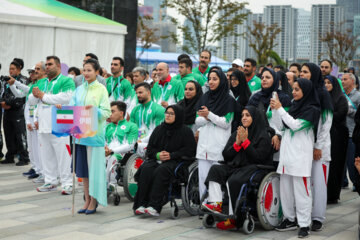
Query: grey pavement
(27, 214)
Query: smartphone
(274, 95)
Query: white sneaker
(47, 187)
(140, 210)
(39, 179)
(152, 212)
(67, 190)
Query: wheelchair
(258, 200)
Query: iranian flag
(65, 116)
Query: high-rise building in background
(286, 18)
(351, 8)
(228, 51)
(303, 36)
(323, 19)
(257, 17)
(157, 11)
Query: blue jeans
(350, 161)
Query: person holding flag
(54, 151)
(89, 151)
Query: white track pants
(319, 178)
(296, 199)
(56, 159)
(33, 148)
(203, 169)
(111, 169)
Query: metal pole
(73, 188)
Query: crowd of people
(303, 121)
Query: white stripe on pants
(33, 148)
(203, 169)
(55, 158)
(319, 178)
(295, 193)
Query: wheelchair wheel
(131, 167)
(249, 225)
(268, 201)
(208, 221)
(190, 193)
(116, 199)
(175, 213)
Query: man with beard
(203, 69)
(146, 115)
(326, 69)
(166, 91)
(14, 122)
(22, 90)
(185, 72)
(118, 87)
(54, 151)
(80, 79)
(249, 70)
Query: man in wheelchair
(168, 144)
(247, 147)
(120, 136)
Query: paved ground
(27, 214)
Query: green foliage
(207, 22)
(262, 40)
(273, 55)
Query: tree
(262, 40)
(340, 44)
(208, 21)
(146, 34)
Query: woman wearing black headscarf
(168, 143)
(261, 100)
(248, 146)
(193, 93)
(339, 134)
(284, 84)
(241, 91)
(296, 154)
(322, 151)
(215, 112)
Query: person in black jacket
(168, 144)
(247, 147)
(14, 121)
(339, 135)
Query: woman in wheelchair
(169, 142)
(247, 147)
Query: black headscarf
(308, 107)
(265, 94)
(189, 105)
(318, 82)
(258, 127)
(179, 119)
(242, 91)
(218, 101)
(336, 91)
(285, 86)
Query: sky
(257, 6)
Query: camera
(4, 78)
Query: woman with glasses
(169, 142)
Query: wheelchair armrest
(266, 167)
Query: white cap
(31, 69)
(238, 62)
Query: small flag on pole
(64, 116)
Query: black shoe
(7, 161)
(316, 226)
(304, 232)
(30, 172)
(286, 225)
(32, 176)
(21, 163)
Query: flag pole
(73, 187)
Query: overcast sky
(257, 6)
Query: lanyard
(163, 94)
(141, 115)
(349, 100)
(54, 82)
(113, 85)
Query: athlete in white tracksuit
(54, 151)
(320, 168)
(21, 90)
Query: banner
(74, 120)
